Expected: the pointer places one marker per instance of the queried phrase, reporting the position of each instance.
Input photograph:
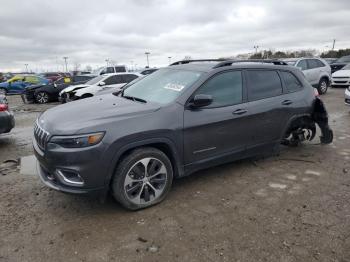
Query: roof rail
(197, 60)
(268, 61)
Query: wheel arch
(163, 144)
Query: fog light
(69, 178)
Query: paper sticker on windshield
(175, 87)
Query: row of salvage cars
(68, 89)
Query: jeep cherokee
(186, 117)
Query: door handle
(287, 102)
(239, 111)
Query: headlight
(78, 141)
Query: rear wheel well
(299, 122)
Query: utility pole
(107, 62)
(256, 49)
(169, 59)
(26, 67)
(333, 44)
(65, 62)
(147, 54)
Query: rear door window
(302, 65)
(113, 80)
(120, 69)
(128, 78)
(263, 84)
(313, 63)
(291, 83)
(225, 88)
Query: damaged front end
(304, 128)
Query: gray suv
(316, 70)
(180, 119)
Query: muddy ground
(290, 207)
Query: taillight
(3, 107)
(316, 92)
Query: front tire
(322, 86)
(42, 97)
(142, 179)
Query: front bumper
(341, 81)
(79, 161)
(347, 97)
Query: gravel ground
(290, 207)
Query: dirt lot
(291, 207)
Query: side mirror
(300, 68)
(201, 100)
(102, 84)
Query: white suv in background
(316, 70)
(109, 70)
(95, 85)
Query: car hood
(73, 87)
(88, 115)
(340, 73)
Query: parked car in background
(176, 121)
(18, 83)
(329, 60)
(316, 70)
(147, 71)
(109, 70)
(340, 63)
(52, 76)
(7, 120)
(341, 77)
(97, 84)
(347, 96)
(48, 93)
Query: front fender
(118, 153)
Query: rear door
(314, 71)
(266, 107)
(303, 66)
(218, 129)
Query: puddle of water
(28, 165)
(291, 177)
(312, 172)
(277, 185)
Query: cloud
(41, 32)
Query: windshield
(95, 80)
(344, 59)
(347, 67)
(163, 86)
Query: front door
(218, 129)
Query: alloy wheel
(42, 98)
(323, 86)
(2, 91)
(145, 181)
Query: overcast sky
(41, 32)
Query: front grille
(340, 82)
(40, 135)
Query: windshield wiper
(134, 98)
